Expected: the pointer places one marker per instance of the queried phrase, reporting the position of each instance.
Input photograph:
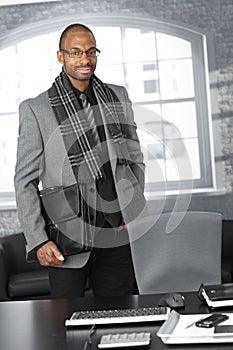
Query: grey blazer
(42, 162)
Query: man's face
(79, 70)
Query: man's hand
(121, 227)
(49, 255)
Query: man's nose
(84, 57)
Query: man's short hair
(75, 27)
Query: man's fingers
(49, 255)
(57, 253)
(121, 227)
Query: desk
(39, 324)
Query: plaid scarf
(74, 128)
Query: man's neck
(81, 85)
(88, 92)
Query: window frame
(201, 43)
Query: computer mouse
(172, 300)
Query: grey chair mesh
(179, 258)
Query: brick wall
(9, 222)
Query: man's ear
(60, 57)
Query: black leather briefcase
(61, 212)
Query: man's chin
(84, 77)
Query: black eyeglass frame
(80, 53)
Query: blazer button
(92, 190)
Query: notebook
(218, 295)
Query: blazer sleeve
(129, 129)
(29, 164)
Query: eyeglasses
(78, 54)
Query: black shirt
(106, 186)
(93, 102)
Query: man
(107, 166)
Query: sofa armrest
(4, 275)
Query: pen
(193, 323)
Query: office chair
(176, 256)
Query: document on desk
(181, 329)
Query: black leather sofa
(20, 280)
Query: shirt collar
(88, 92)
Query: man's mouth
(84, 70)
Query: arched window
(162, 65)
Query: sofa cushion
(29, 284)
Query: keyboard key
(122, 340)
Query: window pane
(113, 74)
(179, 154)
(54, 66)
(183, 116)
(175, 149)
(176, 79)
(153, 107)
(148, 120)
(137, 81)
(151, 86)
(174, 171)
(170, 47)
(192, 148)
(8, 82)
(150, 136)
(139, 45)
(8, 142)
(149, 126)
(108, 41)
(154, 160)
(33, 64)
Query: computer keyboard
(146, 314)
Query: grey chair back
(179, 258)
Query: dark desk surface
(39, 324)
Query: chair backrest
(227, 256)
(178, 259)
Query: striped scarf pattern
(73, 124)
